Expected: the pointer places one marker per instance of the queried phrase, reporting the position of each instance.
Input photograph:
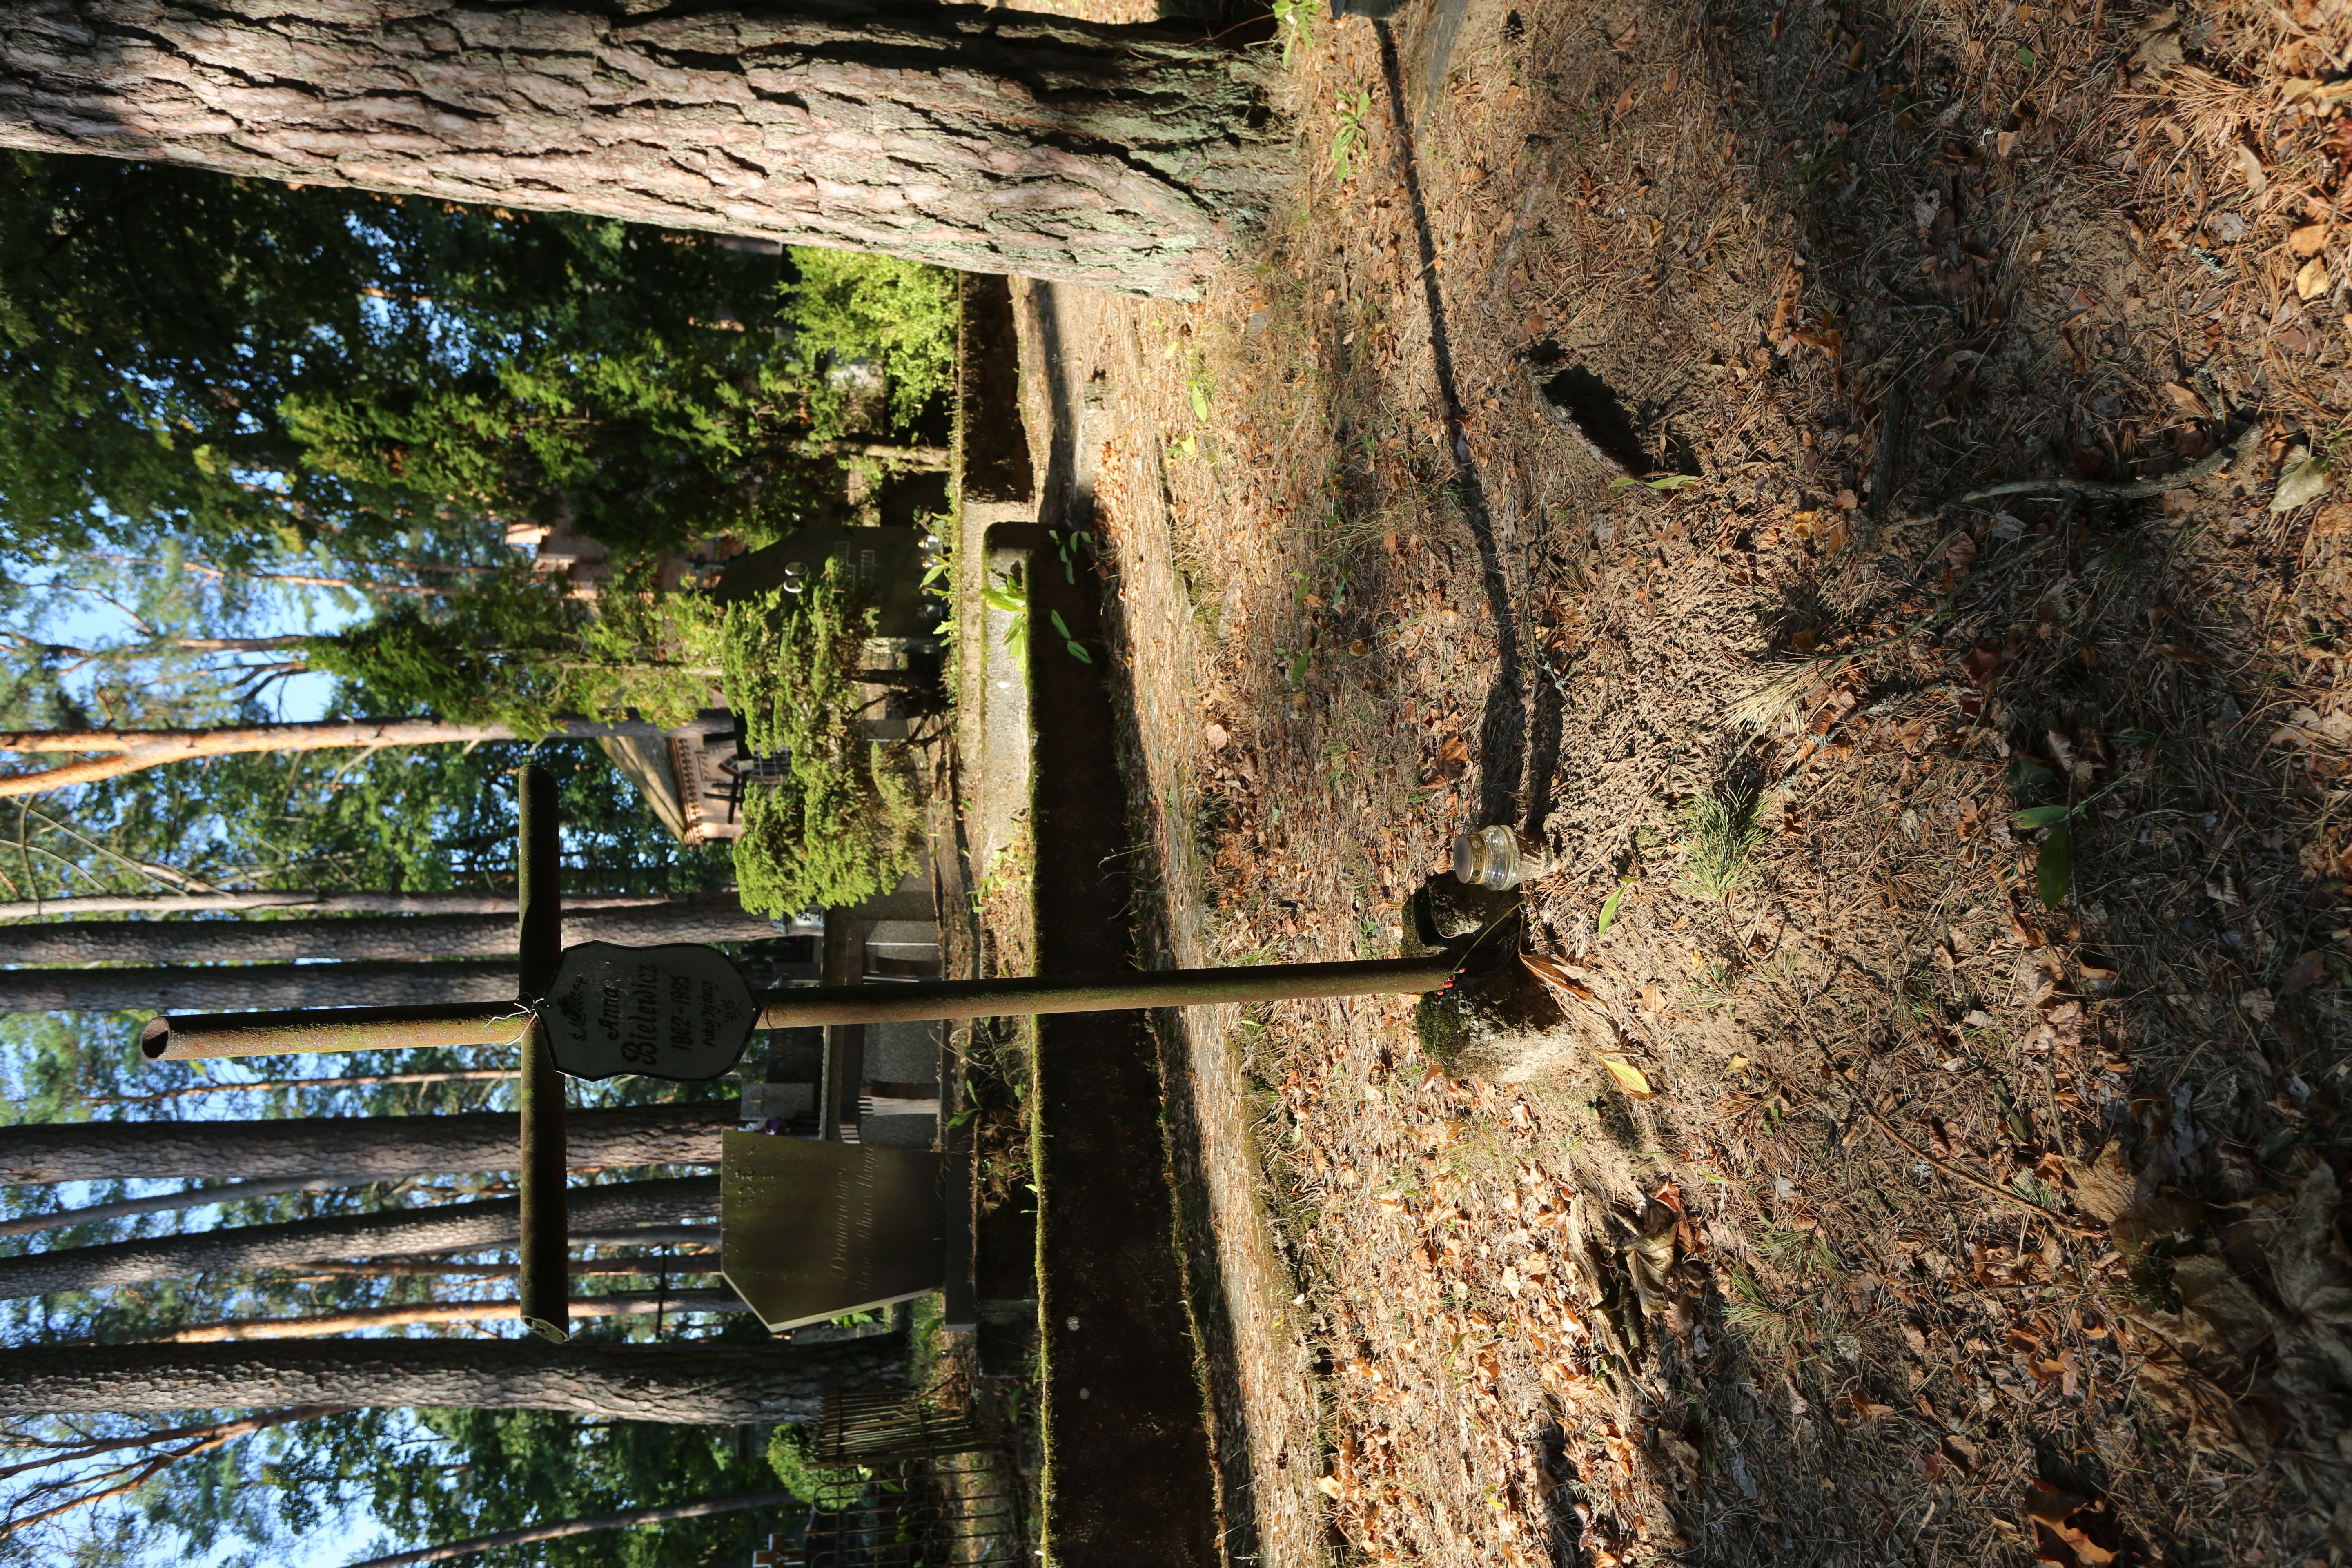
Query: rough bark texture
(634, 1518)
(365, 1320)
(992, 141)
(309, 902)
(453, 1227)
(133, 749)
(700, 1383)
(164, 1203)
(716, 919)
(356, 1149)
(253, 987)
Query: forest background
(261, 449)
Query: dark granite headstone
(884, 567)
(810, 1230)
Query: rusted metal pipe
(314, 1031)
(501, 1023)
(544, 1283)
(798, 1006)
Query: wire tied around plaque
(681, 1011)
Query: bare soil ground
(1918, 1220)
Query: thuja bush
(899, 316)
(518, 650)
(847, 823)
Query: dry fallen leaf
(2311, 281)
(2304, 975)
(1650, 1261)
(2308, 240)
(2071, 1531)
(2250, 164)
(1630, 1078)
(1556, 976)
(2190, 404)
(2302, 480)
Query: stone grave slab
(811, 1230)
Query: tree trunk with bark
(694, 1383)
(354, 1148)
(717, 918)
(993, 141)
(311, 902)
(255, 987)
(130, 751)
(164, 1203)
(594, 1525)
(361, 1319)
(451, 1227)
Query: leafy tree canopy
(847, 821)
(253, 368)
(515, 649)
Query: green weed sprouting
(1349, 145)
(1720, 836)
(1009, 594)
(1296, 20)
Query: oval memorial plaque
(678, 1011)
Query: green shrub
(847, 822)
(899, 315)
(821, 1486)
(516, 650)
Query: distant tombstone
(811, 1230)
(677, 1011)
(884, 567)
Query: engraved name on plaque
(678, 1011)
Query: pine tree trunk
(362, 1320)
(597, 1524)
(311, 902)
(253, 987)
(992, 141)
(354, 1148)
(720, 918)
(694, 1383)
(451, 1227)
(130, 751)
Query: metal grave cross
(841, 1227)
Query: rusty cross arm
(183, 1039)
(544, 1283)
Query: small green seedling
(1609, 909)
(1011, 595)
(1296, 20)
(2054, 868)
(1349, 145)
(1069, 642)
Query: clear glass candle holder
(1497, 858)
